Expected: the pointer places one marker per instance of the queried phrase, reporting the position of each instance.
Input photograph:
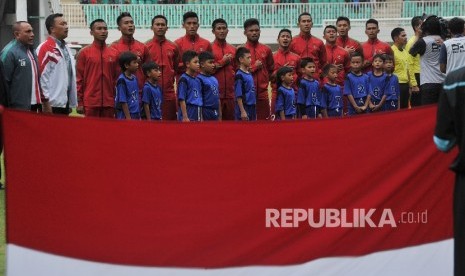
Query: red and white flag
(359, 196)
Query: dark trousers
(169, 109)
(36, 108)
(415, 98)
(227, 109)
(102, 112)
(404, 95)
(60, 110)
(459, 225)
(430, 93)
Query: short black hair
(388, 58)
(284, 31)
(188, 56)
(50, 21)
(380, 56)
(305, 61)
(99, 20)
(329, 27)
(456, 26)
(356, 54)
(328, 67)
(304, 14)
(250, 22)
(343, 18)
(431, 25)
(149, 66)
(205, 55)
(240, 53)
(126, 58)
(189, 14)
(281, 72)
(120, 17)
(159, 16)
(396, 32)
(219, 21)
(416, 21)
(372, 21)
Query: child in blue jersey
(285, 100)
(190, 89)
(309, 93)
(331, 95)
(393, 88)
(127, 91)
(378, 82)
(356, 86)
(151, 93)
(211, 110)
(244, 87)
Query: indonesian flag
(368, 195)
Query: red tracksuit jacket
(348, 42)
(373, 47)
(337, 55)
(306, 45)
(96, 68)
(262, 75)
(137, 48)
(225, 75)
(197, 44)
(165, 53)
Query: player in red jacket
(343, 40)
(128, 43)
(192, 40)
(224, 54)
(95, 74)
(373, 46)
(306, 45)
(166, 54)
(262, 66)
(336, 55)
(284, 57)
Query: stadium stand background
(272, 16)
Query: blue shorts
(390, 105)
(288, 117)
(359, 102)
(335, 112)
(312, 111)
(376, 102)
(193, 113)
(249, 109)
(210, 114)
(120, 115)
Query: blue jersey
(189, 90)
(127, 91)
(151, 95)
(377, 85)
(210, 91)
(244, 87)
(331, 98)
(309, 93)
(285, 101)
(357, 86)
(393, 88)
